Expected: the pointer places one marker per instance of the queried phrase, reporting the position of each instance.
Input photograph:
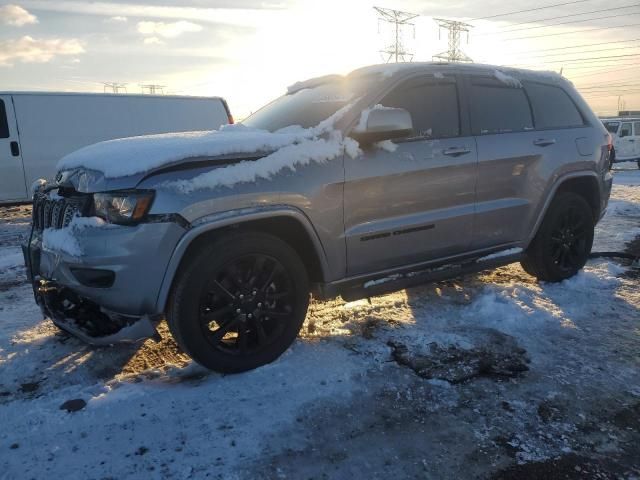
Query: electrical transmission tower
(455, 28)
(152, 89)
(114, 87)
(400, 20)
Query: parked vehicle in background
(355, 185)
(37, 129)
(626, 138)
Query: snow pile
(64, 240)
(502, 253)
(128, 156)
(319, 144)
(507, 79)
(317, 150)
(10, 258)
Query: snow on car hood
(135, 155)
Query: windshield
(307, 107)
(612, 127)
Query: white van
(626, 138)
(37, 129)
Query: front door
(413, 200)
(12, 183)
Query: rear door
(626, 141)
(524, 134)
(12, 183)
(413, 200)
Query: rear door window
(625, 130)
(433, 106)
(552, 107)
(4, 123)
(498, 108)
(636, 129)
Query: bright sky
(248, 51)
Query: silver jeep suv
(353, 185)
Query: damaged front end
(87, 320)
(85, 296)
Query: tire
(563, 243)
(239, 302)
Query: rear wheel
(240, 302)
(562, 245)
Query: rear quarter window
(552, 106)
(4, 124)
(498, 108)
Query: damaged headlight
(123, 207)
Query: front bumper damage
(80, 316)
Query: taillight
(609, 141)
(230, 117)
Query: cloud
(31, 50)
(119, 19)
(167, 30)
(153, 41)
(16, 16)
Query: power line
(583, 51)
(578, 46)
(399, 19)
(560, 23)
(574, 31)
(606, 70)
(114, 87)
(529, 10)
(558, 17)
(585, 59)
(454, 28)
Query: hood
(122, 163)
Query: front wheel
(563, 243)
(239, 302)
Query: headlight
(122, 207)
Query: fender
(234, 217)
(551, 193)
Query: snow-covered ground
(490, 375)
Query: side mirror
(383, 124)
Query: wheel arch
(584, 184)
(287, 223)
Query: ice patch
(10, 258)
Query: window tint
(498, 109)
(636, 128)
(433, 106)
(4, 125)
(552, 106)
(625, 130)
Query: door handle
(544, 142)
(15, 149)
(455, 151)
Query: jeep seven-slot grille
(56, 212)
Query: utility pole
(114, 87)
(399, 19)
(455, 28)
(152, 89)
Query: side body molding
(235, 217)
